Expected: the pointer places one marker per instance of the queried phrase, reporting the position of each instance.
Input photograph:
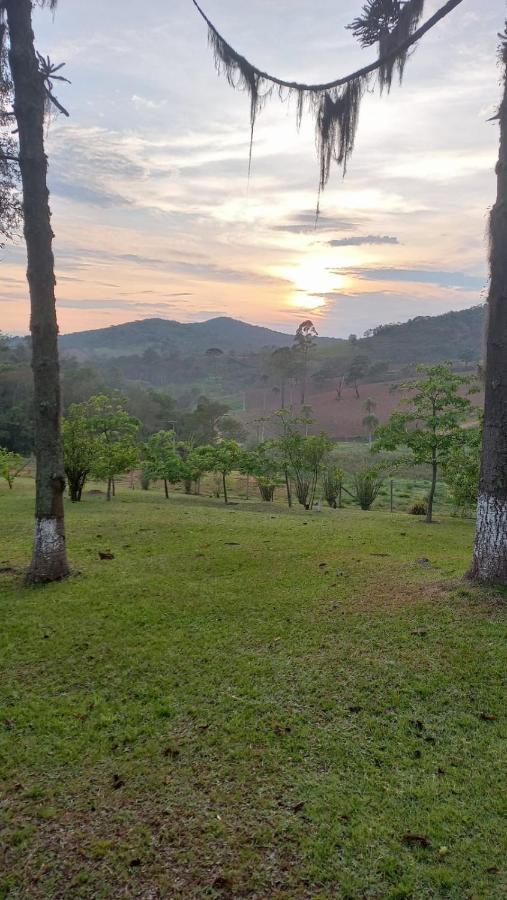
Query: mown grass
(250, 703)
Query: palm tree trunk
(490, 553)
(49, 559)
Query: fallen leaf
(105, 554)
(487, 717)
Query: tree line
(436, 426)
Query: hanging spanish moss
(391, 24)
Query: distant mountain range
(452, 336)
(163, 334)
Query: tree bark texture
(490, 554)
(49, 559)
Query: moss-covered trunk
(49, 559)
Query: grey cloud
(305, 222)
(83, 193)
(360, 241)
(459, 280)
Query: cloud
(457, 280)
(146, 103)
(306, 222)
(360, 241)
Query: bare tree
(394, 25)
(32, 88)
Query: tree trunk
(287, 485)
(49, 559)
(224, 482)
(431, 495)
(109, 488)
(490, 554)
(166, 489)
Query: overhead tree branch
(353, 76)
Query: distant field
(250, 703)
(343, 419)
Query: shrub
(419, 508)
(332, 484)
(367, 487)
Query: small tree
(302, 456)
(332, 486)
(222, 458)
(264, 464)
(462, 471)
(370, 420)
(356, 372)
(162, 461)
(81, 449)
(431, 426)
(11, 464)
(304, 341)
(115, 431)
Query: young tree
(222, 458)
(332, 486)
(283, 364)
(432, 424)
(356, 372)
(264, 464)
(303, 456)
(462, 470)
(81, 450)
(161, 460)
(11, 464)
(115, 432)
(304, 342)
(370, 420)
(31, 78)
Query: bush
(332, 483)
(419, 508)
(266, 490)
(367, 487)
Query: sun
(313, 279)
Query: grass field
(245, 702)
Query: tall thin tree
(394, 25)
(31, 75)
(490, 552)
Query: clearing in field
(244, 702)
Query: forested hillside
(191, 374)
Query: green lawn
(250, 703)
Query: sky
(153, 211)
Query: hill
(165, 335)
(454, 336)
